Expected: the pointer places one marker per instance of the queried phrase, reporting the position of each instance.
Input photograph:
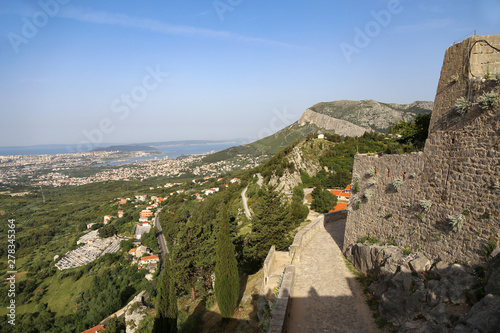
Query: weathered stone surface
(493, 286)
(485, 315)
(440, 295)
(420, 264)
(456, 171)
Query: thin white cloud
(434, 8)
(102, 17)
(429, 25)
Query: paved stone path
(326, 297)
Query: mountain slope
(366, 114)
(346, 118)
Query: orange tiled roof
(336, 192)
(98, 328)
(150, 257)
(339, 206)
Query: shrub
(426, 204)
(371, 171)
(490, 247)
(488, 100)
(356, 187)
(368, 194)
(372, 182)
(356, 177)
(397, 183)
(388, 216)
(370, 239)
(456, 222)
(454, 79)
(462, 105)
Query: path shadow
(203, 320)
(336, 229)
(317, 313)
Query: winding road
(245, 203)
(161, 239)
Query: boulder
(485, 315)
(420, 264)
(421, 327)
(493, 277)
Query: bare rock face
(353, 118)
(339, 126)
(302, 163)
(136, 311)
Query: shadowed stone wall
(458, 172)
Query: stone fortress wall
(457, 173)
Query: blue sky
(127, 71)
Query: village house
(149, 260)
(95, 329)
(107, 218)
(145, 213)
(344, 194)
(141, 197)
(120, 213)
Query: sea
(164, 150)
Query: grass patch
(60, 292)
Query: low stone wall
(336, 216)
(303, 236)
(268, 263)
(281, 309)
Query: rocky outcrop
(422, 297)
(135, 312)
(303, 162)
(339, 126)
(353, 118)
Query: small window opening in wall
(404, 175)
(452, 141)
(388, 172)
(375, 170)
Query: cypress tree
(226, 270)
(166, 309)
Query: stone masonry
(457, 173)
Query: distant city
(59, 169)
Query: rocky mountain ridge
(353, 118)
